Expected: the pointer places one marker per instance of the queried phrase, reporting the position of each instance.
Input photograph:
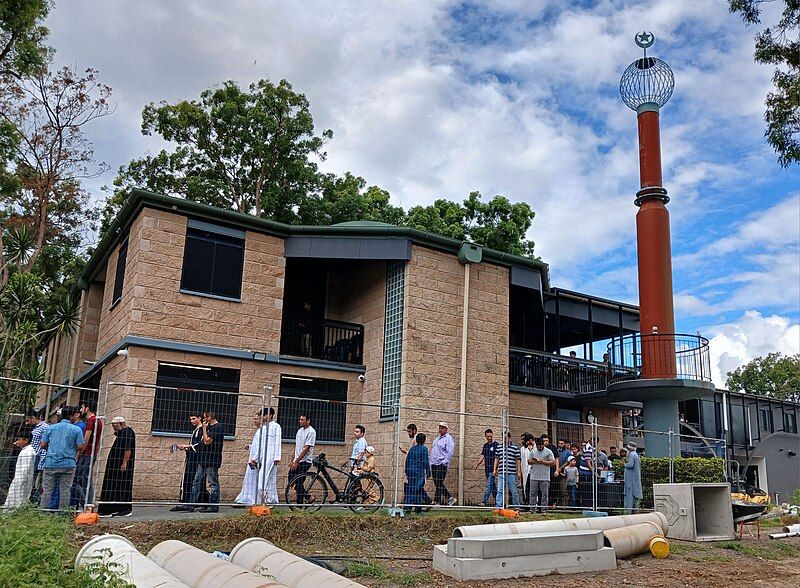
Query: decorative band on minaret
(645, 87)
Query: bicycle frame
(322, 469)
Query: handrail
(325, 339)
(539, 370)
(662, 355)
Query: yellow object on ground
(751, 499)
(659, 547)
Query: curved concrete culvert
(582, 524)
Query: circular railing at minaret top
(646, 80)
(685, 357)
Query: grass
(376, 571)
(35, 551)
(771, 551)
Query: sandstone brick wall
(434, 301)
(158, 308)
(158, 471)
(525, 414)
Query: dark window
(708, 419)
(181, 389)
(738, 430)
(327, 418)
(789, 422)
(119, 277)
(765, 420)
(212, 264)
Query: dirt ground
(379, 551)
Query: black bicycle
(310, 490)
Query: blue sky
(435, 99)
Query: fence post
(395, 510)
(99, 442)
(671, 457)
(501, 467)
(595, 450)
(263, 441)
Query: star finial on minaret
(644, 39)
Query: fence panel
(152, 449)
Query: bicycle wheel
(365, 493)
(312, 489)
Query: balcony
(323, 339)
(652, 356)
(570, 375)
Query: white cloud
(733, 344)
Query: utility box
(470, 253)
(696, 512)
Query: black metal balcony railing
(657, 355)
(533, 369)
(322, 339)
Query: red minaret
(645, 87)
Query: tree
(774, 375)
(248, 151)
(779, 46)
(497, 224)
(50, 155)
(347, 198)
(22, 36)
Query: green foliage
(359, 569)
(497, 224)
(774, 550)
(35, 552)
(347, 198)
(794, 498)
(774, 376)
(245, 150)
(655, 470)
(779, 45)
(254, 151)
(22, 36)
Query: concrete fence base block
(527, 544)
(467, 568)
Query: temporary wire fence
(151, 448)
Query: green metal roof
(140, 199)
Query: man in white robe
(19, 493)
(262, 467)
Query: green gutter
(142, 198)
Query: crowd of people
(54, 461)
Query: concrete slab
(527, 544)
(467, 568)
(696, 512)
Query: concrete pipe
(583, 524)
(126, 561)
(632, 540)
(256, 554)
(199, 569)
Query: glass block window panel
(212, 264)
(392, 338)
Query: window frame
(119, 276)
(216, 236)
(289, 408)
(179, 427)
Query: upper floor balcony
(325, 339)
(561, 374)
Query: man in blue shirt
(418, 469)
(487, 459)
(62, 442)
(563, 454)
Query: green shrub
(35, 552)
(655, 470)
(794, 497)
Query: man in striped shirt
(32, 419)
(507, 470)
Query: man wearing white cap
(442, 451)
(633, 479)
(117, 492)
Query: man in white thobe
(262, 467)
(19, 493)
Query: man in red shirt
(82, 491)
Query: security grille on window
(184, 389)
(213, 260)
(119, 277)
(327, 418)
(392, 338)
